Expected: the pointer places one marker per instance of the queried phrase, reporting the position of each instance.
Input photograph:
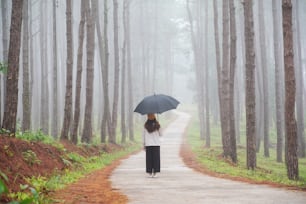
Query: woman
(151, 141)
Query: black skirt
(152, 159)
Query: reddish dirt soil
(17, 169)
(95, 188)
(190, 160)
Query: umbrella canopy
(157, 103)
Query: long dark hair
(152, 125)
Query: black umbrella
(157, 103)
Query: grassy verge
(80, 166)
(267, 171)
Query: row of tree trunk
(256, 75)
(90, 23)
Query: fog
(167, 50)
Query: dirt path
(179, 184)
(95, 188)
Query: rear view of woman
(151, 141)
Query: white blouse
(151, 139)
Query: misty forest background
(76, 69)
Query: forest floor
(21, 160)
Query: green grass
(268, 170)
(80, 167)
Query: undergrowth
(267, 170)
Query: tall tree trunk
(123, 73)
(129, 76)
(250, 84)
(199, 38)
(225, 81)
(300, 84)
(44, 111)
(26, 119)
(232, 81)
(278, 95)
(123, 83)
(31, 58)
(54, 125)
(5, 48)
(291, 129)
(76, 120)
(90, 47)
(68, 95)
(218, 65)
(262, 41)
(207, 144)
(112, 138)
(106, 123)
(11, 99)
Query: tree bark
(129, 76)
(5, 48)
(300, 84)
(207, 86)
(225, 81)
(278, 95)
(232, 81)
(262, 41)
(218, 64)
(44, 90)
(26, 119)
(11, 99)
(68, 95)
(54, 125)
(76, 120)
(106, 123)
(291, 128)
(90, 47)
(112, 138)
(250, 84)
(123, 77)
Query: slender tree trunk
(300, 84)
(5, 48)
(54, 126)
(278, 95)
(218, 65)
(112, 138)
(90, 47)
(262, 41)
(123, 83)
(68, 95)
(250, 84)
(225, 81)
(129, 76)
(106, 123)
(77, 101)
(207, 144)
(232, 81)
(291, 128)
(31, 58)
(11, 99)
(26, 119)
(44, 111)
